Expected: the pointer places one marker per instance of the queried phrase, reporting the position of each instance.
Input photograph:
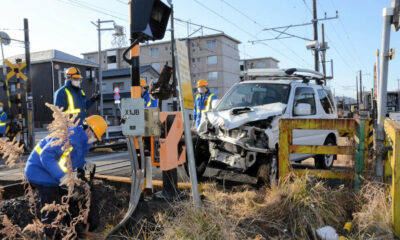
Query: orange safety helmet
(73, 72)
(202, 83)
(97, 124)
(1, 104)
(143, 82)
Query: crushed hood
(228, 120)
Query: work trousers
(54, 194)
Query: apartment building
(212, 57)
(266, 62)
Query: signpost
(117, 97)
(186, 102)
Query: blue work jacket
(46, 165)
(72, 100)
(202, 104)
(148, 101)
(3, 122)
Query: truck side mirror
(302, 109)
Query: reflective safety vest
(47, 164)
(73, 101)
(148, 101)
(63, 158)
(202, 104)
(1, 122)
(71, 105)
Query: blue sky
(353, 38)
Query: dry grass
(373, 219)
(292, 210)
(13, 152)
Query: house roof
(127, 72)
(54, 55)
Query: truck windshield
(254, 94)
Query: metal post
(315, 23)
(382, 95)
(361, 89)
(323, 52)
(100, 75)
(377, 73)
(170, 177)
(174, 93)
(30, 119)
(358, 103)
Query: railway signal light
(149, 19)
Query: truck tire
(267, 172)
(325, 161)
(201, 156)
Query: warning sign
(183, 74)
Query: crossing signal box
(149, 19)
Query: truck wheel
(325, 161)
(201, 156)
(267, 173)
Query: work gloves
(95, 97)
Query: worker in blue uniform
(3, 120)
(203, 101)
(71, 96)
(46, 168)
(149, 100)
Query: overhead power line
(262, 27)
(245, 31)
(79, 4)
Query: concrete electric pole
(390, 16)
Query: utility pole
(361, 87)
(29, 97)
(358, 103)
(100, 74)
(315, 24)
(382, 95)
(398, 84)
(323, 50)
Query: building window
(192, 44)
(212, 43)
(154, 52)
(212, 60)
(104, 87)
(262, 64)
(91, 59)
(156, 66)
(212, 76)
(194, 75)
(198, 59)
(108, 111)
(166, 48)
(193, 60)
(120, 85)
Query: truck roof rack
(301, 74)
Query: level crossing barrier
(358, 130)
(392, 168)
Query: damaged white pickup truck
(241, 131)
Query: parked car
(241, 131)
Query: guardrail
(360, 131)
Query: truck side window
(326, 100)
(305, 95)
